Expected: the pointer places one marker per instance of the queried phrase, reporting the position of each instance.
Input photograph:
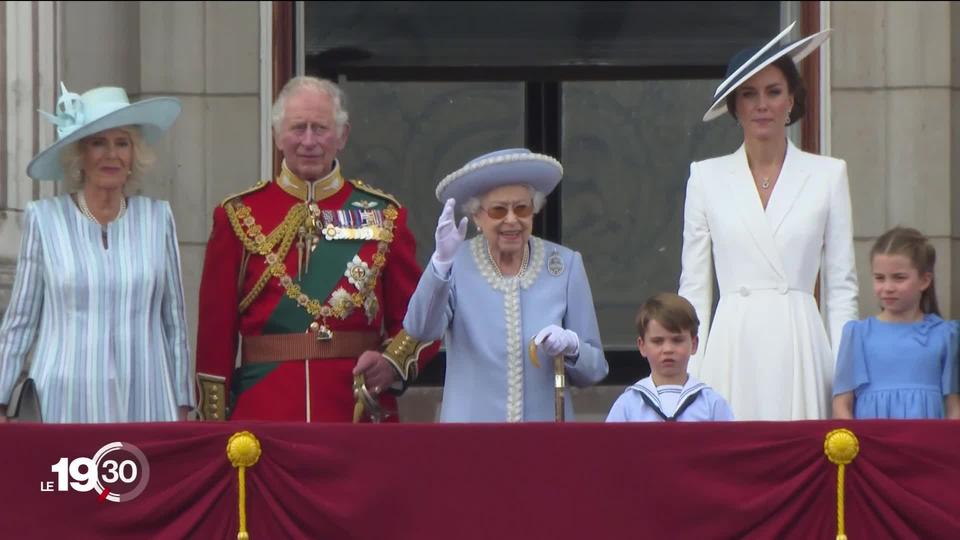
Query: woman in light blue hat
(515, 311)
(98, 295)
(768, 219)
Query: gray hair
(472, 206)
(340, 114)
(71, 160)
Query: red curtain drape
(591, 481)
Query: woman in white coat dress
(769, 218)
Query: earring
(787, 123)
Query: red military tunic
(357, 280)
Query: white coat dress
(766, 350)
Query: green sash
(328, 262)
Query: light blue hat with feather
(96, 110)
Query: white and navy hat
(100, 109)
(749, 62)
(501, 168)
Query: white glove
(449, 236)
(554, 341)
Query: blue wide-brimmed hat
(96, 110)
(749, 62)
(501, 168)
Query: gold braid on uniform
(213, 397)
(402, 353)
(253, 238)
(341, 303)
(255, 242)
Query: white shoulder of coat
(710, 166)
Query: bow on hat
(99, 109)
(70, 114)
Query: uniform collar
(646, 385)
(299, 188)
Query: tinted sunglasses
(521, 210)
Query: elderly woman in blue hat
(97, 295)
(769, 218)
(506, 302)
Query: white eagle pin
(555, 264)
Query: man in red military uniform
(313, 273)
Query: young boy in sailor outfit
(667, 325)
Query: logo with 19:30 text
(117, 472)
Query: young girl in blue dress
(901, 363)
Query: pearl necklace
(82, 202)
(523, 262)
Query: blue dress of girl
(898, 370)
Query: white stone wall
(207, 55)
(894, 92)
(29, 37)
(954, 156)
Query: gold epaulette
(361, 185)
(256, 187)
(403, 352)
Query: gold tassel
(841, 446)
(243, 450)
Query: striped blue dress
(106, 325)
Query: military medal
(555, 263)
(349, 224)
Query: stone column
(892, 91)
(954, 156)
(30, 38)
(207, 55)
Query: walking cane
(559, 383)
(559, 380)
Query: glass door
(615, 90)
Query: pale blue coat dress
(107, 326)
(487, 322)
